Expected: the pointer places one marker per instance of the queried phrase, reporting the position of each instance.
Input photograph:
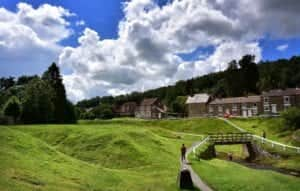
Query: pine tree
(63, 111)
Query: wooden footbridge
(244, 138)
(230, 138)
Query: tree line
(242, 77)
(35, 99)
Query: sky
(113, 47)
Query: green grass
(120, 154)
(228, 176)
(273, 127)
(113, 155)
(237, 151)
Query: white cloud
(282, 47)
(150, 37)
(145, 54)
(31, 36)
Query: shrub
(291, 118)
(12, 108)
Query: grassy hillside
(227, 176)
(197, 125)
(121, 154)
(113, 155)
(273, 127)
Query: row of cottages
(236, 106)
(149, 108)
(269, 103)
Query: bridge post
(251, 151)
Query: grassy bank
(227, 176)
(120, 154)
(273, 127)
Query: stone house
(236, 106)
(151, 108)
(127, 109)
(197, 105)
(275, 101)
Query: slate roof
(129, 103)
(279, 92)
(248, 99)
(148, 101)
(198, 98)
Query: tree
(37, 103)
(179, 105)
(63, 111)
(233, 80)
(250, 74)
(6, 83)
(103, 111)
(25, 79)
(291, 118)
(12, 108)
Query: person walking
(183, 152)
(264, 134)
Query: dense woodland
(34, 99)
(241, 78)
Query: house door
(227, 111)
(244, 113)
(274, 108)
(159, 115)
(249, 113)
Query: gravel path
(198, 182)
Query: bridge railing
(274, 144)
(230, 138)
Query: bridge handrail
(263, 140)
(199, 144)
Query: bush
(12, 108)
(291, 118)
(4, 120)
(103, 111)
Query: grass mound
(30, 164)
(109, 156)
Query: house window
(234, 107)
(211, 109)
(244, 106)
(266, 99)
(286, 100)
(266, 108)
(255, 111)
(220, 108)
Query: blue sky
(117, 47)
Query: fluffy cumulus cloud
(32, 35)
(145, 54)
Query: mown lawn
(121, 154)
(228, 176)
